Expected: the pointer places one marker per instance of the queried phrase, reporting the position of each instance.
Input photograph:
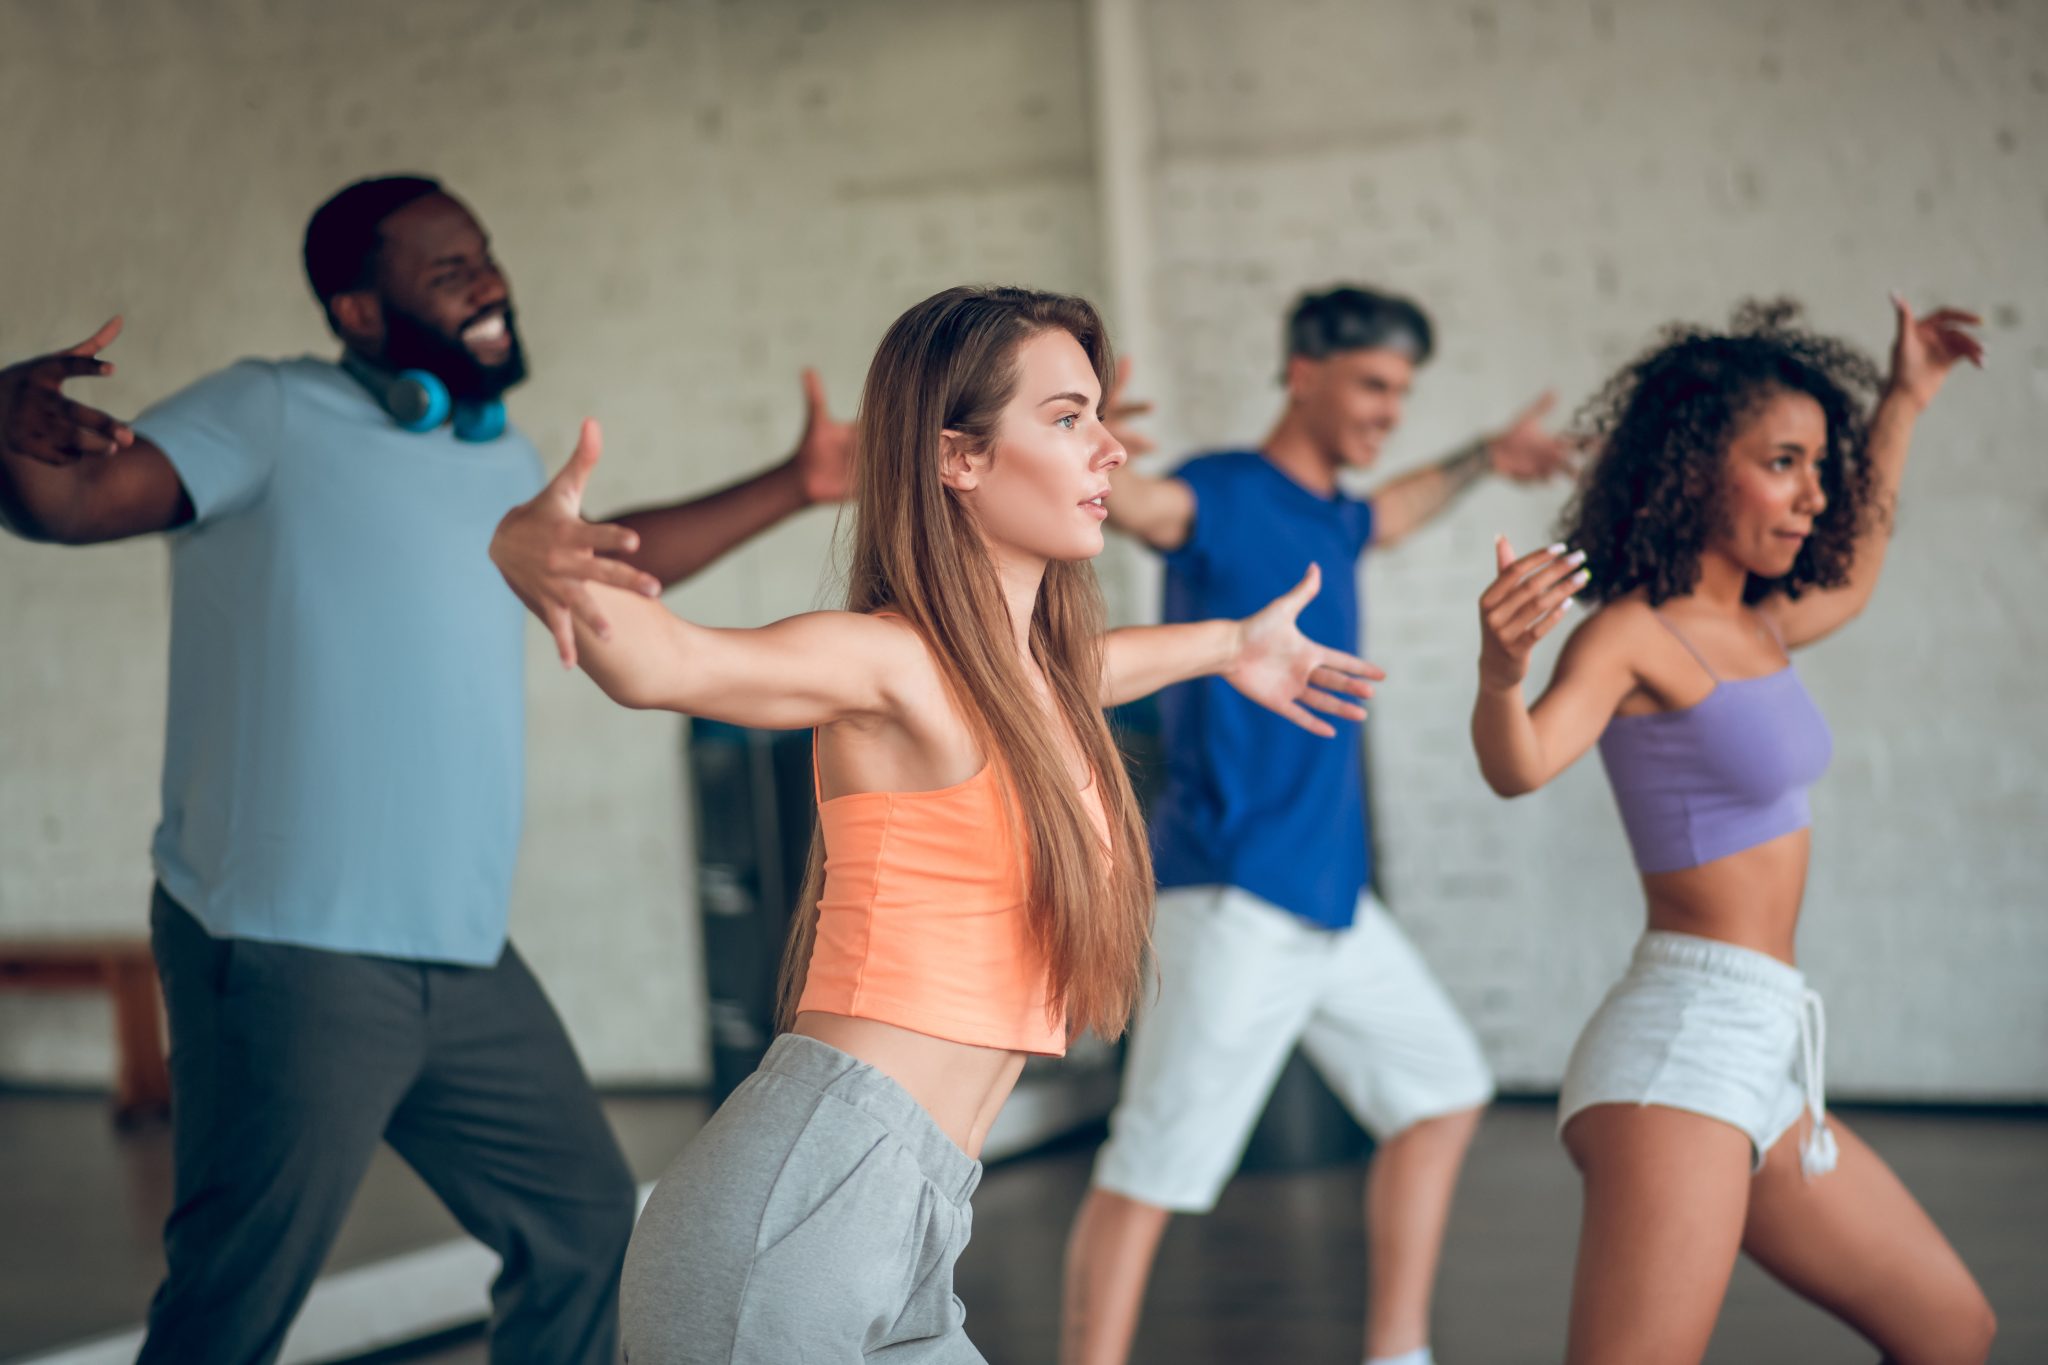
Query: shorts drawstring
(1817, 1154)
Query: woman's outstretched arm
(1924, 351)
(1264, 656)
(805, 671)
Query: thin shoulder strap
(1679, 635)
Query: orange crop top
(923, 920)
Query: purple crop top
(1715, 778)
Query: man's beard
(410, 344)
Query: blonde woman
(980, 886)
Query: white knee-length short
(1713, 1029)
(1237, 982)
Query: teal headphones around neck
(418, 401)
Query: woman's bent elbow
(1508, 786)
(631, 693)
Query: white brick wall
(696, 199)
(1554, 180)
(693, 202)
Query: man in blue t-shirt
(343, 775)
(1268, 933)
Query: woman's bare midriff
(961, 1086)
(1750, 899)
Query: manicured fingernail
(1556, 549)
(1575, 557)
(1567, 605)
(1583, 577)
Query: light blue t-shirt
(345, 749)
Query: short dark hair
(1349, 318)
(342, 239)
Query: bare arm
(1521, 747)
(1406, 504)
(798, 673)
(1264, 656)
(551, 555)
(71, 474)
(1524, 452)
(1160, 512)
(678, 540)
(1923, 353)
(1139, 660)
(806, 671)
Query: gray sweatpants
(814, 1221)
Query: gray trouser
(289, 1065)
(815, 1220)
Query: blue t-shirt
(1251, 800)
(344, 752)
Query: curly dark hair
(1661, 429)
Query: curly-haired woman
(1738, 508)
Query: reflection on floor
(1275, 1274)
(82, 1209)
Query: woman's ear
(960, 464)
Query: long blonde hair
(950, 364)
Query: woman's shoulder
(1619, 628)
(890, 637)
(890, 627)
(856, 644)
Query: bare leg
(1109, 1261)
(1407, 1201)
(1858, 1244)
(1666, 1193)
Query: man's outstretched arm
(680, 539)
(1524, 452)
(71, 474)
(1158, 511)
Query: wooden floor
(1275, 1274)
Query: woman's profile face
(1040, 487)
(1772, 494)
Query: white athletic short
(1713, 1029)
(1238, 982)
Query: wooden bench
(124, 969)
